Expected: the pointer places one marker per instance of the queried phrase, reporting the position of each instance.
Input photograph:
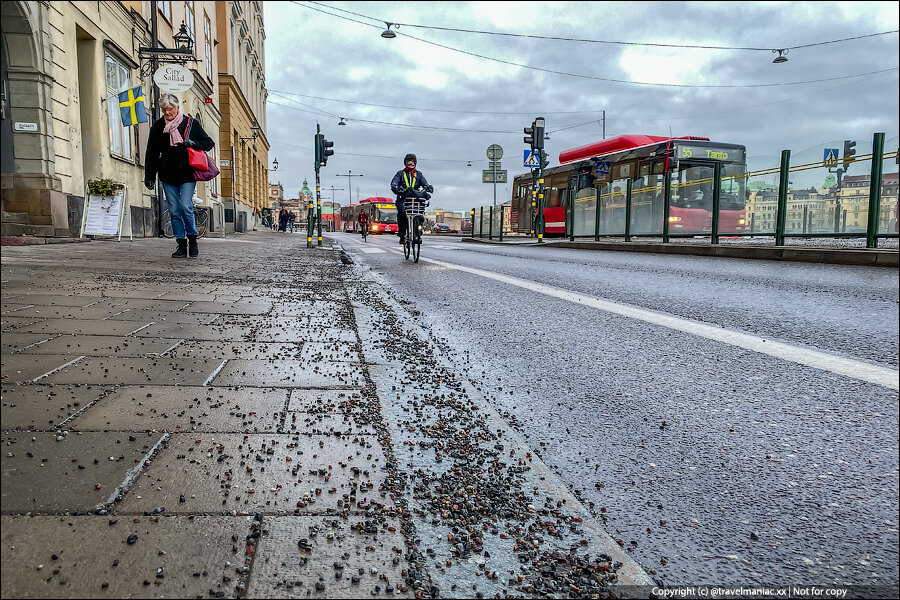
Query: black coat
(169, 162)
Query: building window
(118, 79)
(207, 34)
(165, 7)
(189, 21)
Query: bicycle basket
(415, 206)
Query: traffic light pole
(322, 152)
(535, 138)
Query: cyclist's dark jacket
(414, 177)
(171, 162)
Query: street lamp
(349, 187)
(275, 165)
(387, 33)
(254, 131)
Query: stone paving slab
(42, 474)
(8, 323)
(13, 342)
(155, 316)
(270, 473)
(199, 557)
(103, 345)
(55, 299)
(289, 373)
(342, 560)
(43, 407)
(28, 367)
(187, 408)
(214, 331)
(230, 308)
(86, 326)
(95, 312)
(132, 371)
(215, 350)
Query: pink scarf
(172, 129)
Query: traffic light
(326, 150)
(318, 145)
(849, 153)
(323, 150)
(538, 133)
(530, 137)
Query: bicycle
(364, 230)
(201, 221)
(416, 201)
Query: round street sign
(173, 78)
(494, 152)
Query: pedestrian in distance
(167, 158)
(406, 180)
(291, 218)
(282, 220)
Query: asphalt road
(730, 422)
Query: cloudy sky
(454, 81)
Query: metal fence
(801, 196)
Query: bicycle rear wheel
(165, 221)
(407, 246)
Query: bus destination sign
(686, 151)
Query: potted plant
(104, 191)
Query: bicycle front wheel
(416, 248)
(201, 221)
(407, 246)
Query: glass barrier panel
(890, 204)
(690, 209)
(647, 203)
(762, 194)
(584, 212)
(733, 201)
(611, 199)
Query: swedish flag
(131, 105)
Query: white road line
(848, 367)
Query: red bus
(593, 182)
(382, 213)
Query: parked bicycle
(201, 220)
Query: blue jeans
(181, 208)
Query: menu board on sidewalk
(103, 215)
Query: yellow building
(242, 81)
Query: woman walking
(167, 157)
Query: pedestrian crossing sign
(830, 157)
(531, 159)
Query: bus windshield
(385, 215)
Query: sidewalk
(247, 424)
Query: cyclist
(363, 220)
(406, 180)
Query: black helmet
(411, 157)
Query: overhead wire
(591, 77)
(616, 42)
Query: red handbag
(205, 168)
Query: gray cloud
(315, 54)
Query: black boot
(182, 249)
(193, 251)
